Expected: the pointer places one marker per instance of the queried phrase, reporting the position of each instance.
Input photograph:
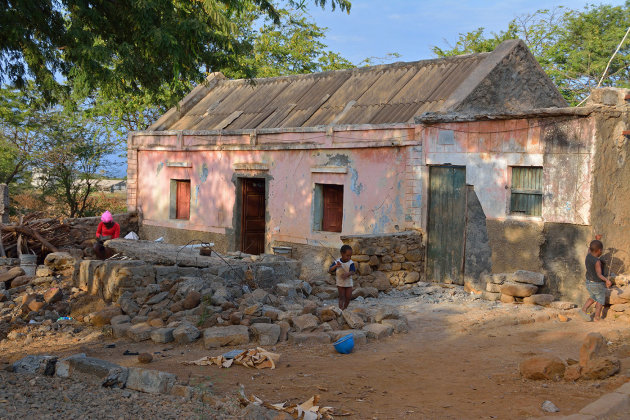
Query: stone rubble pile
(595, 363)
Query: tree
(21, 120)
(121, 47)
(572, 46)
(75, 155)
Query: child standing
(596, 283)
(344, 268)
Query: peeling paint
(337, 159)
(203, 173)
(355, 186)
(196, 194)
(159, 167)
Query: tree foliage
(572, 46)
(122, 47)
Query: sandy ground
(459, 361)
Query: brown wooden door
(253, 216)
(333, 208)
(182, 210)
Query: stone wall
(396, 257)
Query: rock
(120, 319)
(140, 332)
(414, 255)
(59, 261)
(593, 346)
(150, 381)
(232, 335)
(43, 271)
(381, 282)
(116, 378)
(139, 319)
(365, 269)
(120, 330)
(549, 407)
(507, 298)
(309, 307)
(265, 334)
(104, 316)
(21, 281)
(374, 261)
(620, 307)
(614, 296)
(83, 368)
(128, 305)
(327, 314)
(542, 367)
(359, 336)
(399, 325)
(411, 277)
(493, 297)
(386, 312)
(191, 300)
(284, 330)
(157, 298)
(493, 288)
(253, 310)
(305, 323)
(145, 358)
(360, 258)
(378, 331)
(11, 274)
(518, 289)
(40, 364)
(53, 295)
(528, 277)
(573, 372)
(365, 292)
(562, 318)
(541, 299)
(309, 338)
(564, 306)
(162, 335)
(35, 305)
(186, 333)
(353, 319)
(600, 368)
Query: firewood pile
(36, 235)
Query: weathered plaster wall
(515, 245)
(184, 236)
(478, 253)
(611, 187)
(373, 191)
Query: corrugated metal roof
(393, 93)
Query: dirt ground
(459, 361)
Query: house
(479, 153)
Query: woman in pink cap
(107, 229)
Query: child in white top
(344, 268)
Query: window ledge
(524, 218)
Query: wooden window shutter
(527, 190)
(183, 200)
(332, 217)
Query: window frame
(531, 213)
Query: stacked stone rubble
(386, 260)
(518, 287)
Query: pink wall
(373, 200)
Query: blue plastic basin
(345, 344)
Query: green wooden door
(447, 224)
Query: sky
(411, 28)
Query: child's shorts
(344, 282)
(597, 291)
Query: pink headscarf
(107, 217)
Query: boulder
(120, 319)
(59, 261)
(399, 325)
(53, 295)
(542, 299)
(40, 365)
(614, 296)
(528, 277)
(192, 299)
(150, 381)
(620, 307)
(120, 330)
(518, 289)
(327, 314)
(593, 346)
(128, 305)
(493, 288)
(20, 281)
(154, 300)
(186, 333)
(162, 335)
(284, 330)
(36, 305)
(564, 306)
(353, 319)
(265, 334)
(104, 316)
(507, 298)
(11, 274)
(232, 335)
(365, 292)
(309, 338)
(381, 282)
(43, 271)
(600, 368)
(543, 367)
(83, 368)
(140, 332)
(306, 322)
(386, 312)
(378, 331)
(493, 297)
(573, 373)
